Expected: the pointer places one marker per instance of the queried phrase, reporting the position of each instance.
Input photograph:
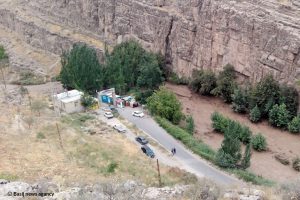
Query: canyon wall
(257, 37)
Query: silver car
(119, 128)
(108, 115)
(138, 114)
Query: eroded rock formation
(256, 36)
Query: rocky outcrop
(257, 37)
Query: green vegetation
(81, 69)
(229, 155)
(3, 54)
(221, 123)
(245, 163)
(203, 82)
(187, 139)
(259, 142)
(294, 125)
(111, 167)
(279, 116)
(174, 78)
(255, 114)
(225, 84)
(29, 78)
(165, 104)
(8, 176)
(40, 135)
(239, 101)
(190, 125)
(88, 101)
(250, 177)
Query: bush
(239, 101)
(194, 145)
(174, 78)
(296, 164)
(294, 125)
(225, 84)
(247, 157)
(245, 135)
(165, 104)
(40, 135)
(219, 123)
(289, 97)
(279, 116)
(190, 125)
(265, 94)
(88, 101)
(141, 96)
(229, 154)
(111, 167)
(250, 177)
(255, 114)
(259, 142)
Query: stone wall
(257, 37)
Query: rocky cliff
(256, 36)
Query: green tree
(239, 101)
(81, 69)
(294, 125)
(265, 94)
(190, 125)
(229, 155)
(259, 142)
(219, 122)
(279, 116)
(289, 96)
(245, 135)
(195, 83)
(255, 114)
(246, 161)
(150, 76)
(165, 104)
(225, 84)
(207, 82)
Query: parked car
(141, 140)
(108, 115)
(119, 128)
(148, 151)
(138, 113)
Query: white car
(119, 128)
(108, 115)
(138, 114)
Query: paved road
(195, 163)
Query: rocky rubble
(112, 190)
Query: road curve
(186, 157)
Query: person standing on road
(174, 151)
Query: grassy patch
(40, 135)
(8, 176)
(196, 146)
(76, 120)
(250, 177)
(29, 78)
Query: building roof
(69, 96)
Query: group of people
(173, 150)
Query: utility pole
(158, 171)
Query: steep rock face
(257, 37)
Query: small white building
(68, 102)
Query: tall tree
(81, 69)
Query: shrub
(259, 142)
(190, 125)
(296, 164)
(165, 104)
(239, 101)
(141, 96)
(279, 116)
(88, 101)
(245, 135)
(265, 94)
(207, 82)
(294, 125)
(225, 84)
(219, 123)
(174, 78)
(40, 135)
(255, 114)
(111, 167)
(246, 161)
(229, 154)
(289, 97)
